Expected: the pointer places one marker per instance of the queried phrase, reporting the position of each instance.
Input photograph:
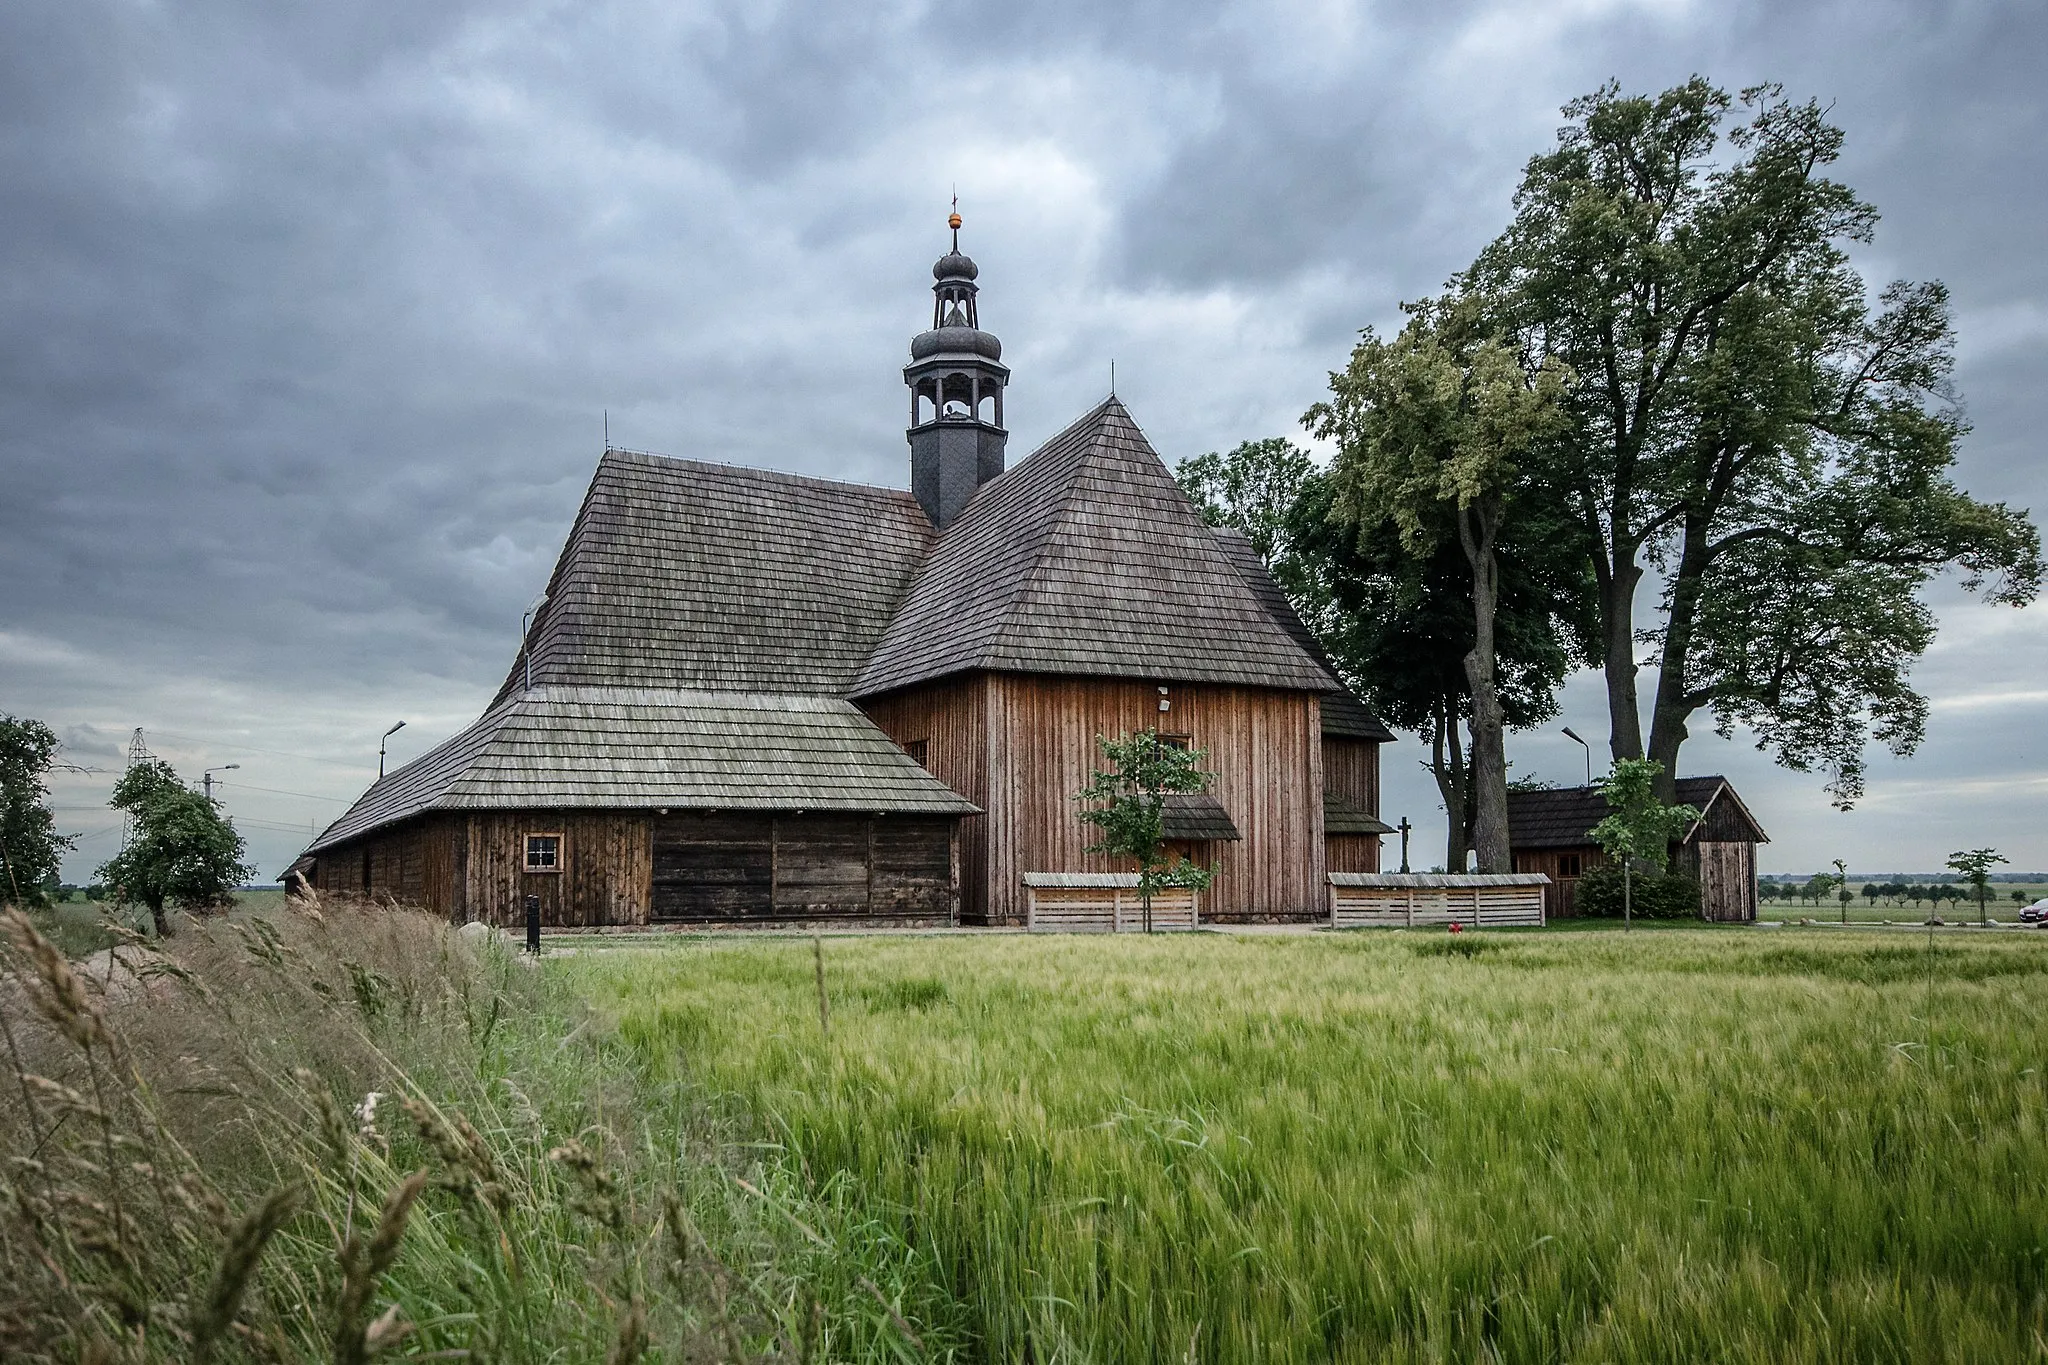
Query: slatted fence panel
(1357, 907)
(1105, 910)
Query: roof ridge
(756, 471)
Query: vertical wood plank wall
(1264, 747)
(1351, 769)
(951, 719)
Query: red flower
(1457, 928)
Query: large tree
(30, 846)
(1745, 423)
(182, 851)
(1431, 429)
(1397, 625)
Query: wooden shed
(1550, 832)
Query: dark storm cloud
(308, 315)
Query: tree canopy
(1431, 430)
(1745, 422)
(182, 851)
(30, 846)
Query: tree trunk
(1627, 894)
(1618, 629)
(1675, 703)
(1447, 766)
(157, 918)
(1476, 529)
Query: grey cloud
(308, 316)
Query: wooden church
(754, 698)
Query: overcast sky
(310, 314)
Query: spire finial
(953, 219)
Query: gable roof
(610, 747)
(1564, 817)
(1087, 558)
(1344, 715)
(682, 574)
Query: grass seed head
(213, 1315)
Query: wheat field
(1672, 1146)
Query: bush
(1654, 896)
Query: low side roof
(1343, 816)
(599, 747)
(1344, 715)
(1564, 817)
(1087, 558)
(682, 574)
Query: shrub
(1656, 896)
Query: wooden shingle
(1087, 559)
(608, 747)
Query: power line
(279, 791)
(252, 749)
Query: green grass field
(1676, 1146)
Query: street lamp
(1571, 734)
(380, 748)
(206, 778)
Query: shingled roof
(1343, 816)
(1087, 558)
(684, 574)
(1564, 817)
(1344, 715)
(599, 747)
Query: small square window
(543, 853)
(1567, 864)
(918, 749)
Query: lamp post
(1572, 734)
(380, 748)
(206, 778)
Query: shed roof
(1343, 816)
(1197, 817)
(1087, 558)
(1564, 817)
(596, 747)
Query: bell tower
(956, 380)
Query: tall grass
(342, 1133)
(1681, 1146)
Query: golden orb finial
(953, 221)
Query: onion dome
(954, 266)
(955, 341)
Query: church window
(1567, 864)
(917, 749)
(543, 853)
(1180, 742)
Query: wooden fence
(1102, 903)
(1398, 899)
